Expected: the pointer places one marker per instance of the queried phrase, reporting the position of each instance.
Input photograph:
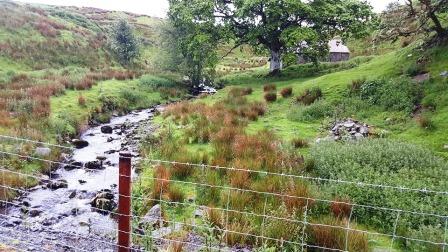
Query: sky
(155, 8)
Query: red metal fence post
(124, 203)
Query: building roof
(336, 46)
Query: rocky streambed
(64, 212)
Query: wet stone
(93, 165)
(106, 130)
(58, 184)
(73, 166)
(72, 194)
(79, 144)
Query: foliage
(124, 43)
(270, 96)
(286, 92)
(156, 82)
(414, 17)
(196, 38)
(309, 96)
(279, 27)
(318, 110)
(406, 165)
(399, 94)
(336, 237)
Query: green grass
(68, 103)
(334, 87)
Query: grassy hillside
(243, 126)
(57, 76)
(400, 125)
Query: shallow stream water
(65, 220)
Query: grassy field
(334, 88)
(191, 132)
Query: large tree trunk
(441, 32)
(276, 64)
(437, 25)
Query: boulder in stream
(73, 166)
(106, 129)
(79, 144)
(104, 202)
(57, 184)
(94, 165)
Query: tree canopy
(124, 44)
(278, 26)
(414, 17)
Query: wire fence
(224, 226)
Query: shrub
(414, 69)
(310, 96)
(176, 194)
(239, 179)
(299, 143)
(269, 87)
(286, 92)
(209, 195)
(424, 122)
(182, 171)
(355, 87)
(156, 82)
(318, 110)
(296, 197)
(132, 96)
(161, 185)
(433, 234)
(239, 234)
(400, 95)
(81, 100)
(335, 237)
(214, 217)
(259, 108)
(5, 119)
(341, 208)
(84, 84)
(283, 227)
(395, 94)
(386, 162)
(236, 91)
(270, 97)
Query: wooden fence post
(124, 203)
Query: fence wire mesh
(247, 218)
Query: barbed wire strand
(36, 142)
(400, 188)
(285, 219)
(359, 183)
(263, 193)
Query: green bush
(155, 82)
(414, 69)
(132, 96)
(318, 110)
(387, 162)
(400, 94)
(433, 234)
(309, 96)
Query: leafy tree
(414, 17)
(279, 26)
(124, 44)
(196, 38)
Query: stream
(58, 213)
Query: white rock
(43, 152)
